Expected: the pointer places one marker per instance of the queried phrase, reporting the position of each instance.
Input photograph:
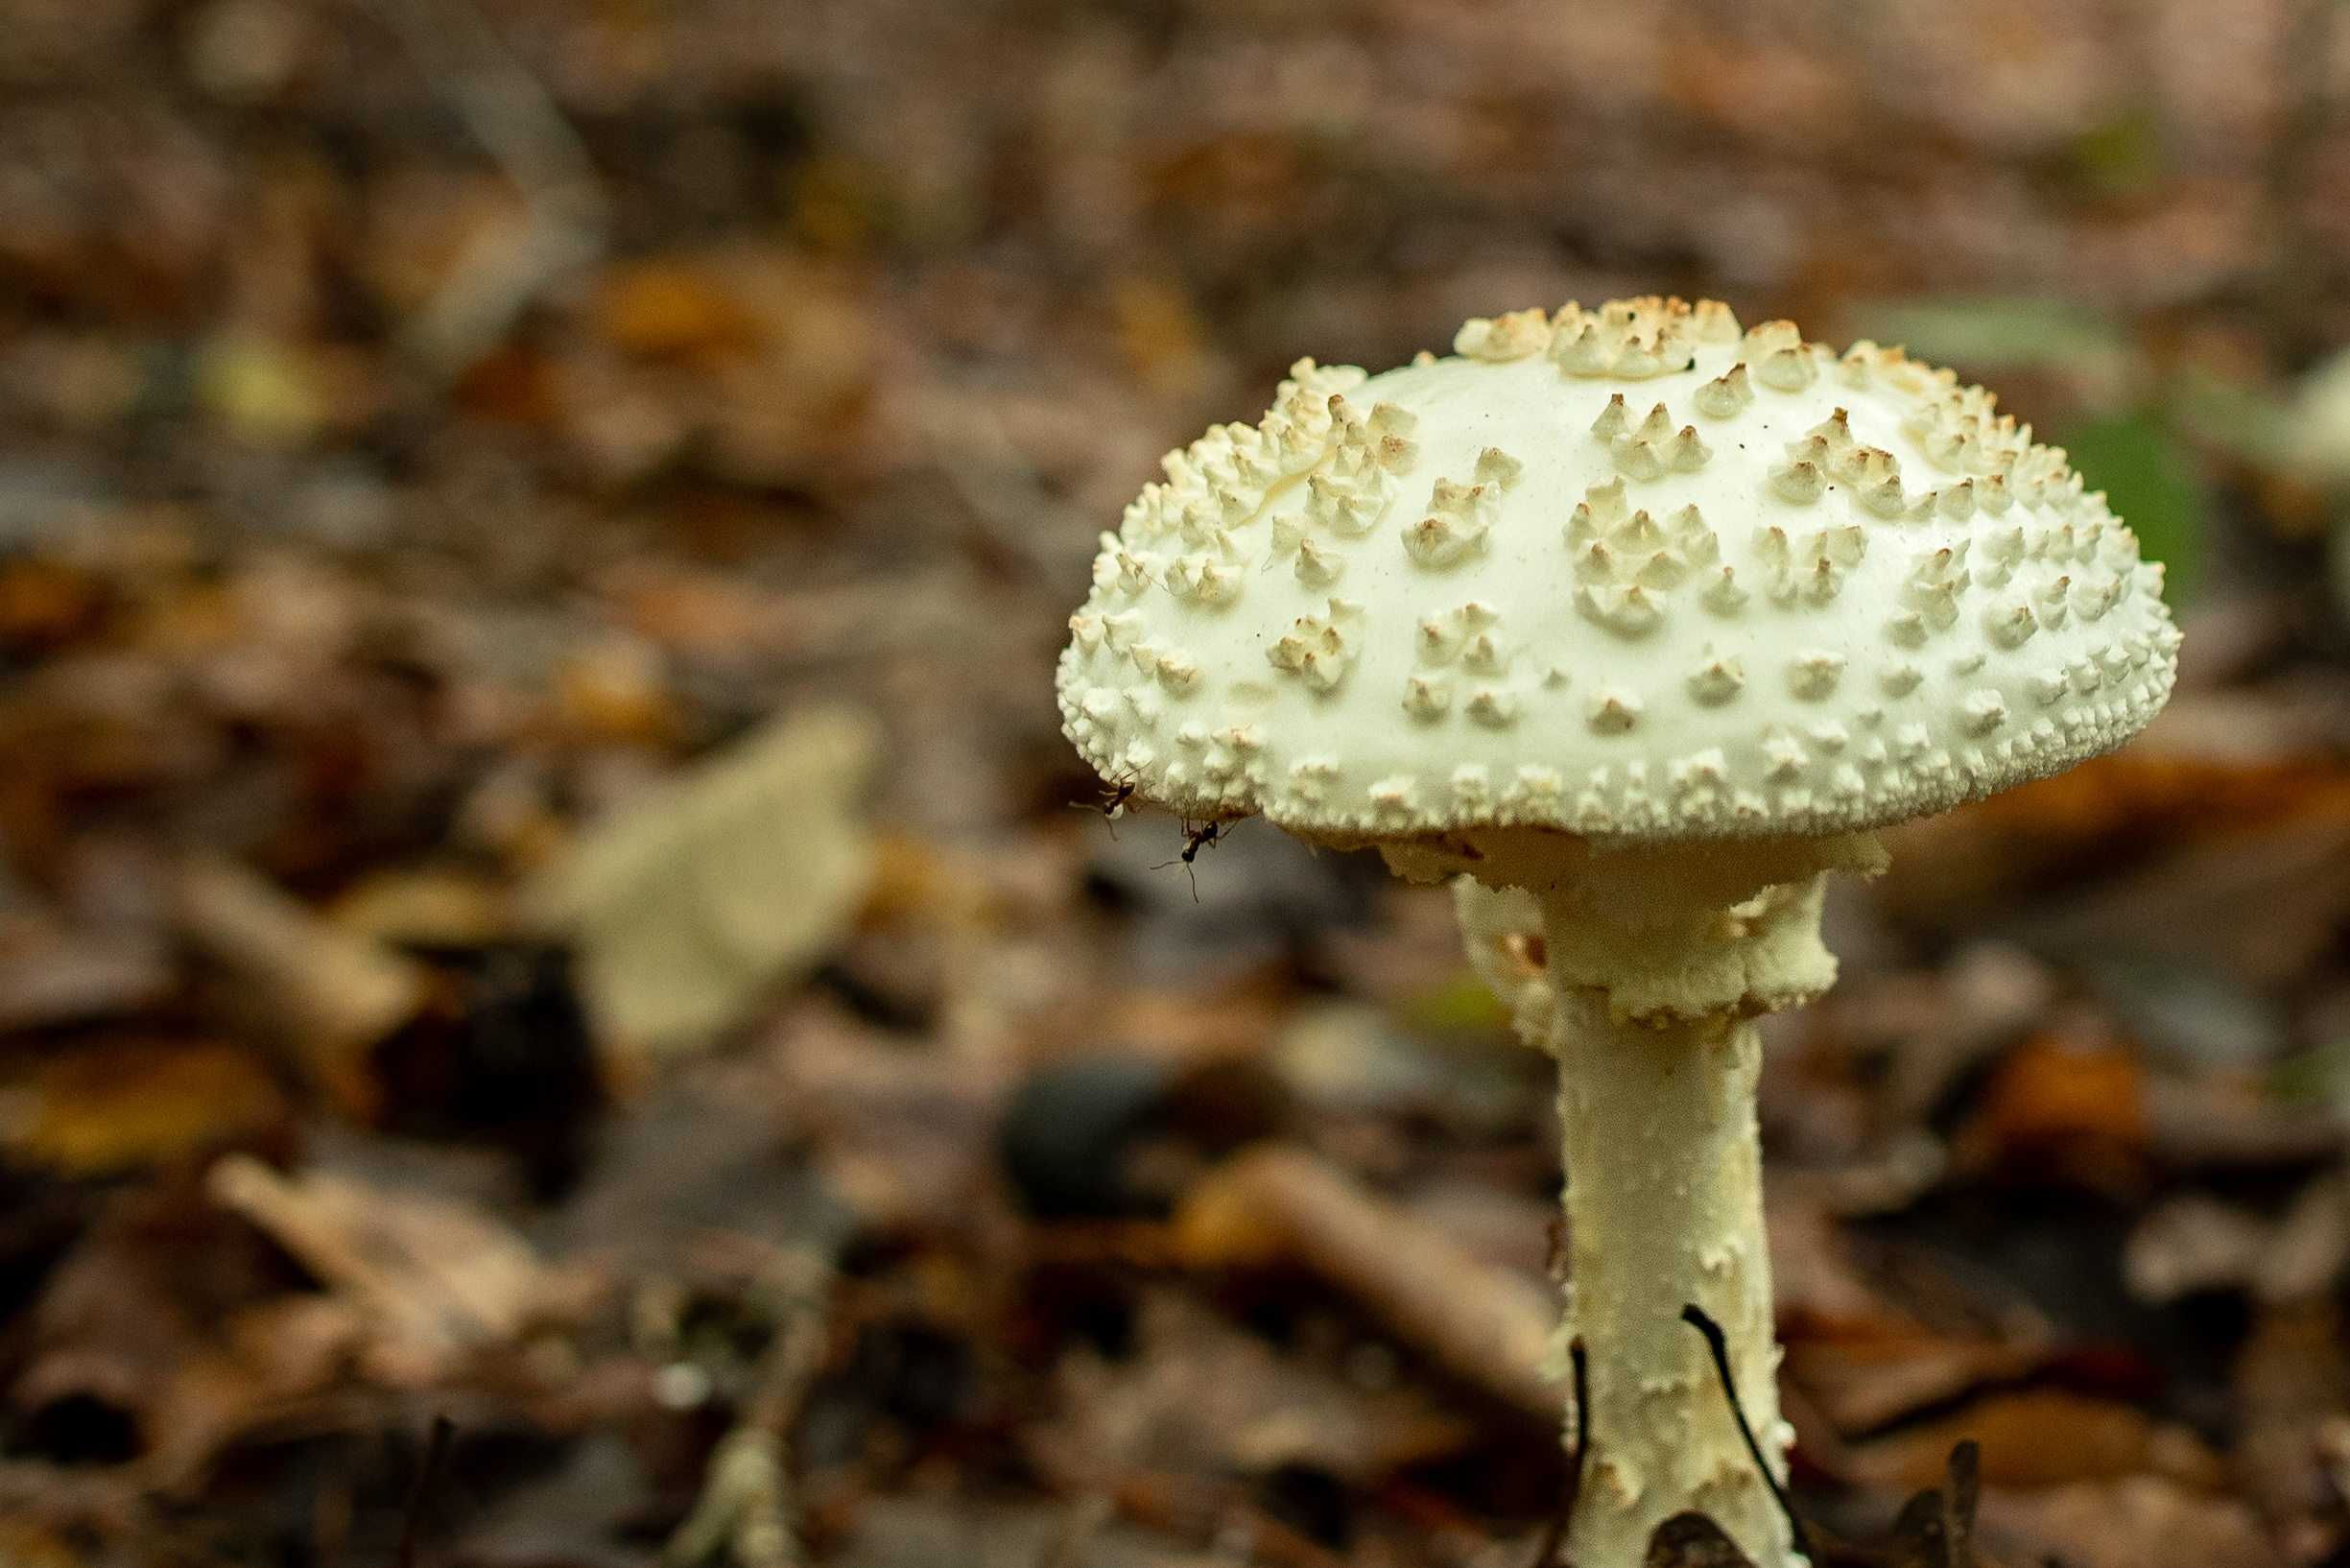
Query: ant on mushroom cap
(1195, 839)
(1112, 800)
(1119, 790)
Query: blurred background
(562, 998)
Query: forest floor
(563, 1000)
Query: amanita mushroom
(1654, 620)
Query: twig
(1484, 1323)
(1555, 1533)
(1962, 1494)
(428, 1475)
(746, 1503)
(565, 218)
(1696, 1317)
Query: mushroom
(1640, 624)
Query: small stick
(1696, 1318)
(1486, 1324)
(428, 1475)
(1961, 1493)
(1555, 1533)
(745, 1503)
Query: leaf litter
(554, 1009)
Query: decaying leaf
(2123, 1524)
(166, 1329)
(2292, 1388)
(2107, 814)
(2256, 905)
(1921, 1536)
(923, 1532)
(50, 975)
(689, 904)
(2196, 1242)
(1867, 1375)
(435, 1281)
(900, 1135)
(1203, 1397)
(2037, 1438)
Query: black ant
(1112, 803)
(1194, 840)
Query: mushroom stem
(1664, 1208)
(1656, 959)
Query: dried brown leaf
(332, 994)
(436, 1281)
(2129, 1523)
(1202, 1397)
(2036, 1437)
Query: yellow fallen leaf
(101, 1108)
(689, 904)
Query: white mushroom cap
(1621, 572)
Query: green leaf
(1457, 1005)
(2120, 158)
(2249, 422)
(2151, 483)
(2313, 1077)
(1995, 333)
